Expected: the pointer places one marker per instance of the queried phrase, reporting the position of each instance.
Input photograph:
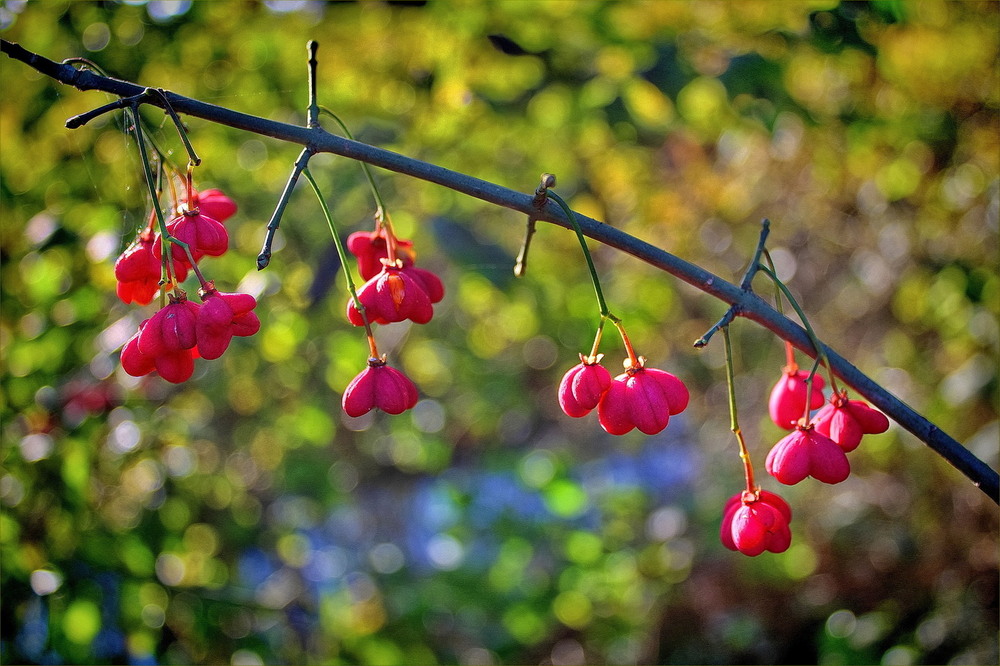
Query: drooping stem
(382, 218)
(193, 158)
(342, 252)
(167, 240)
(790, 365)
(810, 378)
(592, 358)
(166, 249)
(634, 362)
(380, 211)
(734, 422)
(817, 345)
(571, 217)
(777, 292)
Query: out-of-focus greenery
(241, 518)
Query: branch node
(724, 321)
(541, 193)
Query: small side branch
(264, 258)
(745, 284)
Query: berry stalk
(342, 253)
(734, 423)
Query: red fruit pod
(214, 204)
(133, 361)
(752, 523)
(379, 386)
(583, 386)
(138, 270)
(430, 282)
(176, 367)
(202, 234)
(171, 329)
(675, 390)
(806, 452)
(787, 403)
(846, 421)
(371, 247)
(222, 316)
(641, 398)
(391, 296)
(138, 273)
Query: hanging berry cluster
(640, 398)
(395, 290)
(755, 520)
(158, 261)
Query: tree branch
(743, 302)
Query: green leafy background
(241, 518)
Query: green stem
(820, 349)
(734, 423)
(777, 291)
(342, 252)
(380, 213)
(597, 341)
(151, 185)
(809, 387)
(571, 217)
(167, 241)
(192, 156)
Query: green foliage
(241, 518)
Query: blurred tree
(241, 518)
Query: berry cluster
(394, 290)
(181, 330)
(757, 520)
(641, 397)
(197, 221)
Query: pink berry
(134, 362)
(171, 329)
(583, 386)
(175, 366)
(430, 282)
(788, 397)
(643, 398)
(753, 523)
(806, 452)
(370, 248)
(221, 317)
(214, 204)
(204, 236)
(138, 270)
(391, 296)
(845, 421)
(379, 386)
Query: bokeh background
(241, 518)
